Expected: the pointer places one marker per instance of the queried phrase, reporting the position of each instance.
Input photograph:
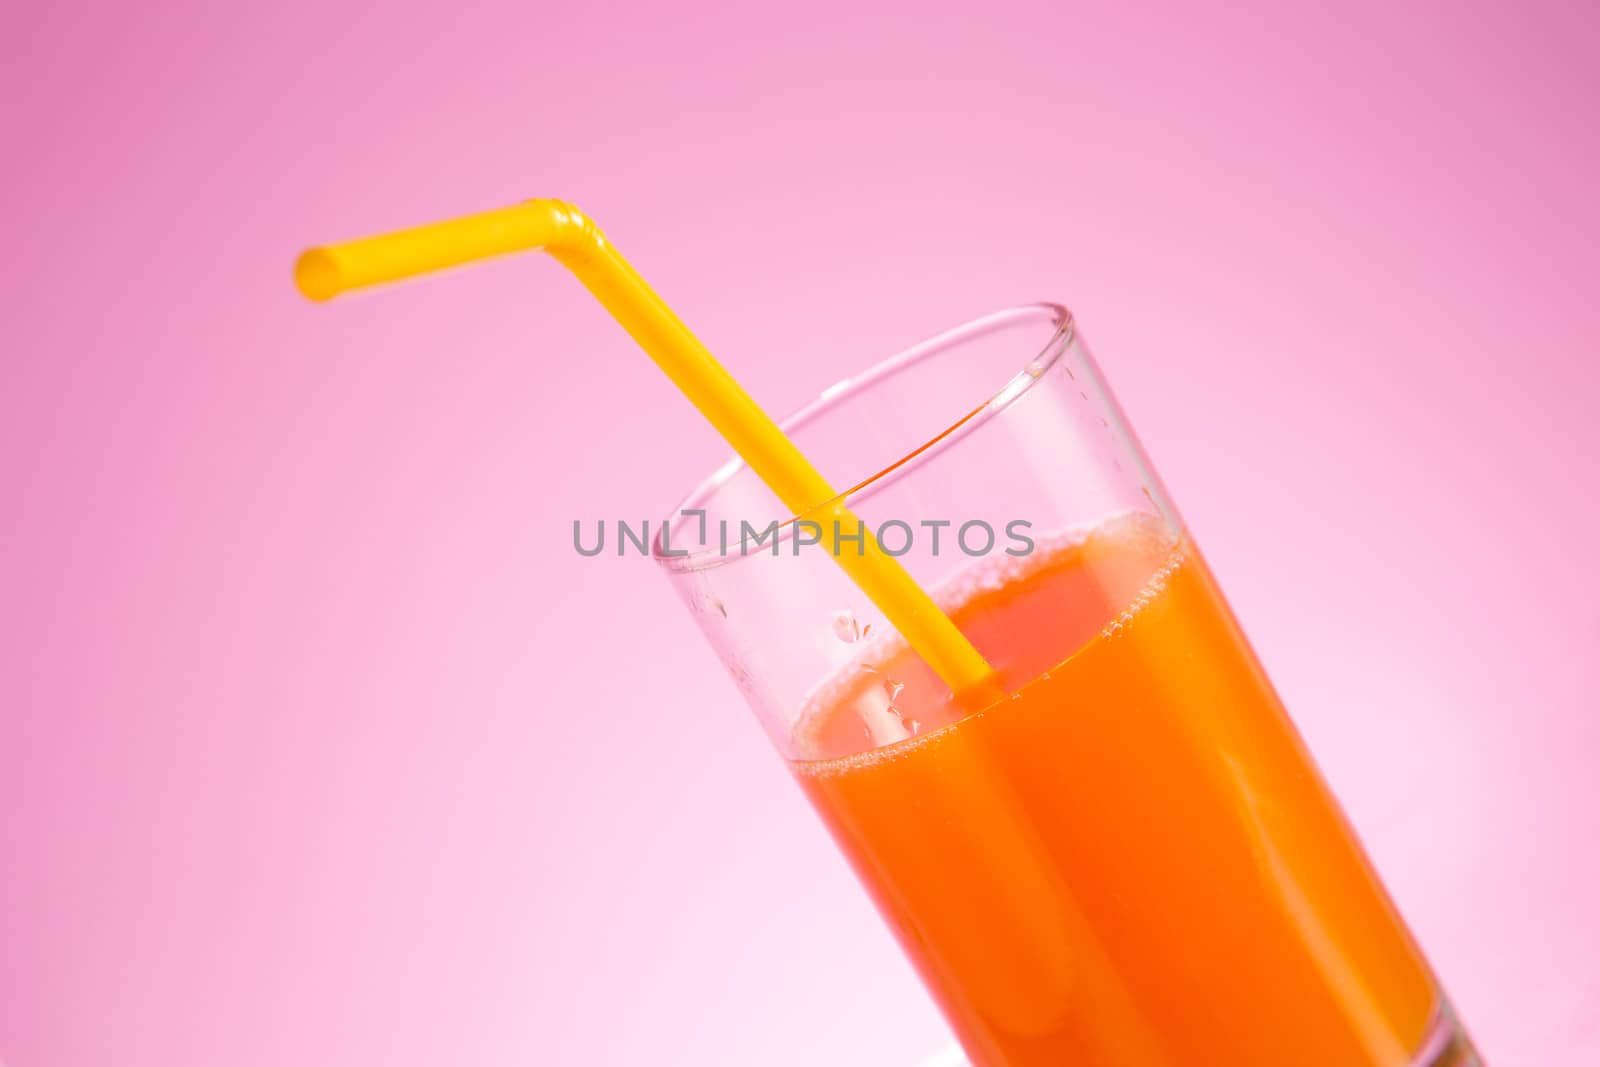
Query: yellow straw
(577, 243)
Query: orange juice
(1131, 860)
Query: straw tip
(317, 275)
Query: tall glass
(1129, 858)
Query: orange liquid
(1132, 859)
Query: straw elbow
(576, 236)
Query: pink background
(318, 744)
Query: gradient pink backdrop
(319, 745)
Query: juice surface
(1131, 860)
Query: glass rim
(1030, 371)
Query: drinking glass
(1127, 858)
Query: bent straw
(577, 243)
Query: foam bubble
(1152, 588)
(900, 749)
